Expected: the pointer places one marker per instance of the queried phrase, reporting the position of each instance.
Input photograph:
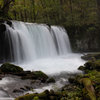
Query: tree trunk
(71, 10)
(98, 6)
(6, 6)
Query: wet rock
(9, 22)
(34, 75)
(23, 73)
(0, 78)
(17, 90)
(28, 87)
(23, 89)
(81, 68)
(2, 29)
(51, 80)
(92, 65)
(42, 96)
(71, 80)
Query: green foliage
(77, 12)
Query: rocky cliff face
(84, 38)
(88, 44)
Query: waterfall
(25, 42)
(61, 40)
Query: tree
(98, 6)
(5, 7)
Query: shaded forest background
(62, 12)
(79, 17)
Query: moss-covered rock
(44, 95)
(36, 98)
(92, 65)
(81, 68)
(71, 80)
(41, 96)
(26, 97)
(10, 68)
(51, 80)
(91, 56)
(88, 90)
(39, 75)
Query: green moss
(36, 98)
(26, 97)
(88, 90)
(92, 65)
(44, 94)
(86, 82)
(7, 67)
(81, 68)
(51, 80)
(40, 74)
(90, 96)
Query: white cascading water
(61, 39)
(34, 41)
(40, 47)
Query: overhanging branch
(6, 4)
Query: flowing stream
(40, 47)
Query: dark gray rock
(2, 28)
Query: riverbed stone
(51, 80)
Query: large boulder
(33, 75)
(10, 68)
